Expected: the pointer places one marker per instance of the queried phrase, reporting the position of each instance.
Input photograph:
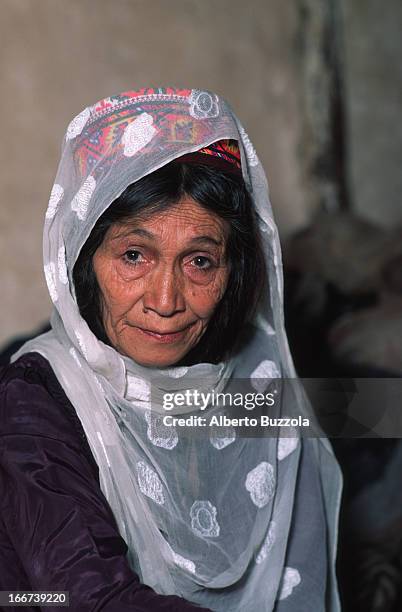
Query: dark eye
(201, 262)
(132, 256)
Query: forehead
(185, 218)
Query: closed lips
(166, 333)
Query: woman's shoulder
(29, 368)
(32, 402)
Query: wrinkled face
(161, 279)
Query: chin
(156, 361)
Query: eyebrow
(147, 234)
(201, 239)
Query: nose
(164, 293)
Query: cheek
(118, 294)
(203, 300)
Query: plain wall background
(373, 78)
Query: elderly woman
(163, 263)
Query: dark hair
(218, 190)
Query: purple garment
(57, 531)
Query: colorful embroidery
(107, 135)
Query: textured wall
(58, 57)
(373, 71)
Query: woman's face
(161, 279)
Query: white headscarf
(207, 519)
